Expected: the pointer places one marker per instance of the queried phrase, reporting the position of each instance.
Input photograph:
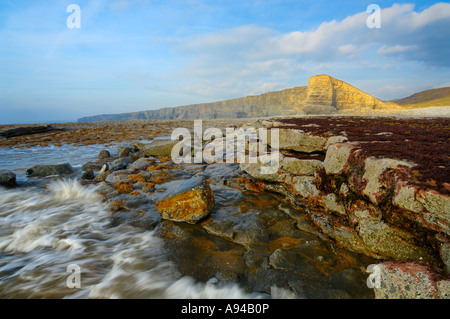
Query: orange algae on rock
(188, 201)
(124, 187)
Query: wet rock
(106, 190)
(200, 255)
(147, 218)
(189, 201)
(343, 234)
(104, 154)
(124, 150)
(410, 280)
(88, 176)
(92, 166)
(141, 163)
(19, 131)
(7, 178)
(117, 176)
(120, 164)
(387, 241)
(48, 170)
(158, 148)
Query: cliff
(323, 95)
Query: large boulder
(48, 170)
(7, 178)
(158, 148)
(189, 201)
(299, 141)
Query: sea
(57, 240)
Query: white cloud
(239, 59)
(386, 50)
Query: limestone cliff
(326, 94)
(285, 102)
(323, 95)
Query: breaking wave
(43, 231)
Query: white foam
(47, 230)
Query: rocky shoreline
(336, 205)
(383, 205)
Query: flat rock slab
(48, 170)
(158, 148)
(19, 131)
(189, 201)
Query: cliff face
(328, 95)
(323, 95)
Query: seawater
(47, 225)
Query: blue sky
(132, 55)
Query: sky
(134, 55)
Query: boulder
(106, 190)
(120, 164)
(124, 150)
(141, 163)
(158, 148)
(189, 201)
(104, 154)
(48, 170)
(87, 176)
(92, 166)
(7, 178)
(19, 131)
(297, 140)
